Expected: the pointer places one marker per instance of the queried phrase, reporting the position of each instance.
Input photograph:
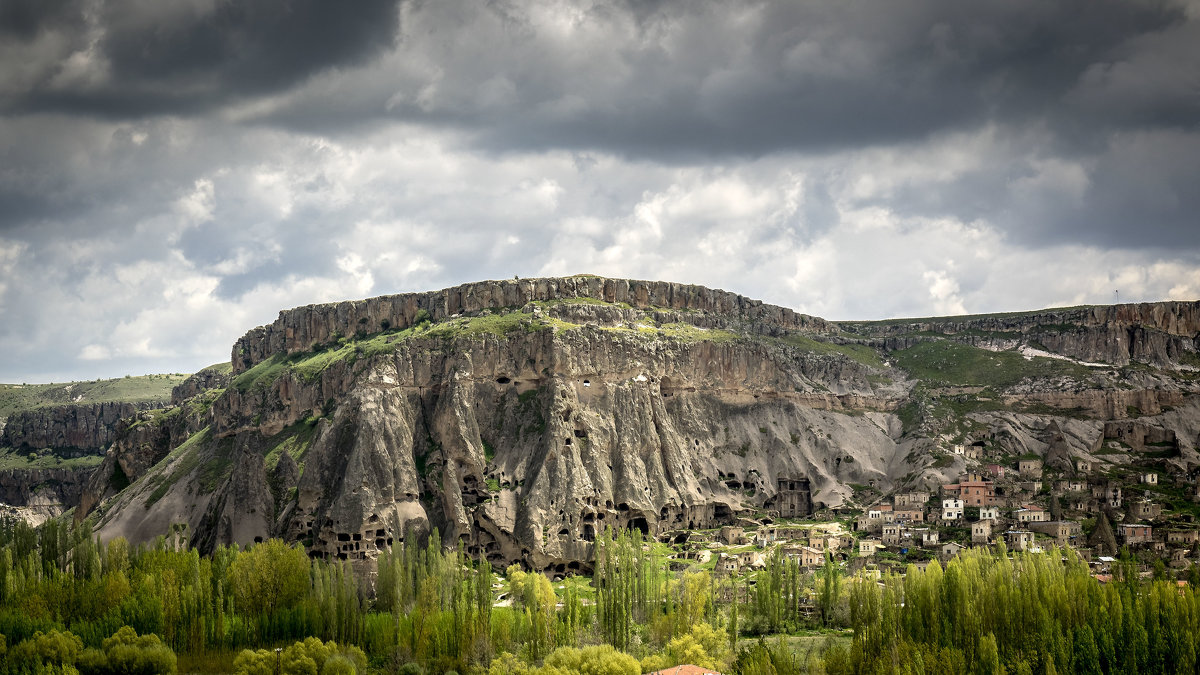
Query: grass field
(950, 363)
(11, 459)
(18, 397)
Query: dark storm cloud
(162, 58)
(25, 19)
(173, 173)
(695, 79)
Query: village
(1096, 508)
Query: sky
(174, 174)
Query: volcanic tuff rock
(1159, 333)
(212, 377)
(84, 427)
(301, 329)
(522, 417)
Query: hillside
(15, 398)
(524, 416)
(52, 436)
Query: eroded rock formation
(523, 417)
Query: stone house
(1148, 479)
(868, 546)
(989, 513)
(1018, 540)
(1188, 537)
(951, 549)
(981, 532)
(1029, 468)
(732, 536)
(977, 492)
(1108, 494)
(1031, 513)
(914, 499)
(891, 534)
(1073, 485)
(929, 538)
(807, 556)
(1063, 531)
(766, 535)
(995, 470)
(1144, 509)
(952, 509)
(1135, 533)
(882, 513)
(909, 515)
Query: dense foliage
(69, 604)
(1035, 613)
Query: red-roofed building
(977, 492)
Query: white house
(952, 509)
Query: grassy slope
(10, 459)
(18, 397)
(942, 362)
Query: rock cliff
(86, 428)
(301, 329)
(1160, 333)
(523, 417)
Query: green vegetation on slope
(11, 459)
(856, 352)
(963, 318)
(309, 365)
(188, 455)
(947, 363)
(294, 440)
(18, 397)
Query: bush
(308, 657)
(128, 653)
(52, 651)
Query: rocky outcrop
(591, 407)
(301, 329)
(212, 377)
(1104, 404)
(141, 442)
(41, 487)
(525, 446)
(1158, 333)
(85, 428)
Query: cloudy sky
(173, 174)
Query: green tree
(128, 652)
(269, 576)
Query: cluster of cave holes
(351, 545)
(473, 491)
(733, 483)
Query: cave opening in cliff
(589, 533)
(639, 524)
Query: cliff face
(212, 377)
(48, 489)
(524, 417)
(1162, 334)
(301, 329)
(87, 428)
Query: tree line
(71, 603)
